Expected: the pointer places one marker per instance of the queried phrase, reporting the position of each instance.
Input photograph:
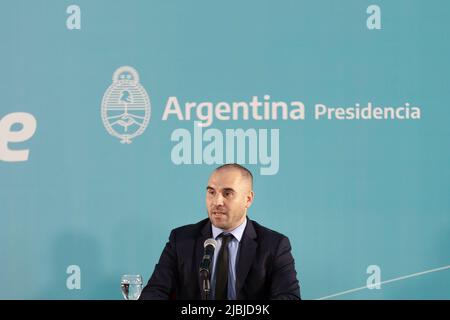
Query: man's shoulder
(263, 232)
(191, 229)
(254, 229)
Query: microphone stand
(206, 285)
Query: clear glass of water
(131, 286)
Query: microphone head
(205, 266)
(210, 242)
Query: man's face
(228, 196)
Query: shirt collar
(236, 232)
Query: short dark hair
(244, 171)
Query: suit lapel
(247, 253)
(206, 233)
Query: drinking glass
(131, 285)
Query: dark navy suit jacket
(265, 267)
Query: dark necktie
(221, 292)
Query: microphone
(208, 254)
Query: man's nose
(218, 199)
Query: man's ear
(249, 199)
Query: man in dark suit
(250, 261)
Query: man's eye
(227, 194)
